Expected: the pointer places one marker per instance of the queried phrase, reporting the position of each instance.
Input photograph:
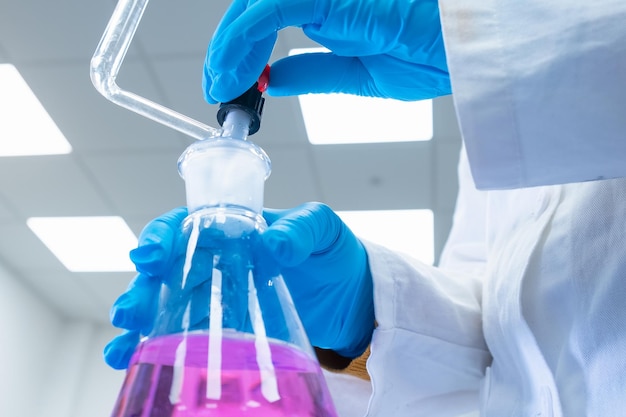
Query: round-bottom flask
(227, 340)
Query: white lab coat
(539, 88)
(526, 315)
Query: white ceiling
(123, 164)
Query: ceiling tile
(3, 55)
(375, 176)
(445, 175)
(282, 124)
(181, 81)
(50, 186)
(88, 120)
(445, 125)
(141, 184)
(51, 30)
(292, 180)
(23, 252)
(5, 211)
(182, 27)
(104, 288)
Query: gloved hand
(391, 49)
(324, 265)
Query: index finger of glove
(223, 86)
(372, 76)
(156, 242)
(119, 350)
(236, 8)
(320, 73)
(294, 235)
(257, 22)
(136, 307)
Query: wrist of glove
(324, 265)
(326, 270)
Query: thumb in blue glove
(326, 270)
(323, 263)
(390, 49)
(135, 310)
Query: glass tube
(108, 58)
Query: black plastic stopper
(251, 102)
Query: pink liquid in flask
(154, 387)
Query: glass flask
(227, 340)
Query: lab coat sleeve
(428, 354)
(539, 88)
(349, 393)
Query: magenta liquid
(152, 380)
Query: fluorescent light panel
(87, 244)
(407, 231)
(25, 126)
(344, 118)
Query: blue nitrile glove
(391, 49)
(324, 265)
(136, 308)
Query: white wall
(99, 384)
(79, 382)
(27, 330)
(51, 367)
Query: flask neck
(232, 222)
(224, 172)
(236, 125)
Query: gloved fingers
(136, 307)
(345, 41)
(320, 73)
(223, 86)
(200, 271)
(387, 49)
(117, 352)
(378, 76)
(258, 21)
(404, 80)
(296, 234)
(236, 8)
(154, 251)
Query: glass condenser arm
(106, 63)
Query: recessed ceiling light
(344, 118)
(25, 126)
(87, 244)
(407, 231)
